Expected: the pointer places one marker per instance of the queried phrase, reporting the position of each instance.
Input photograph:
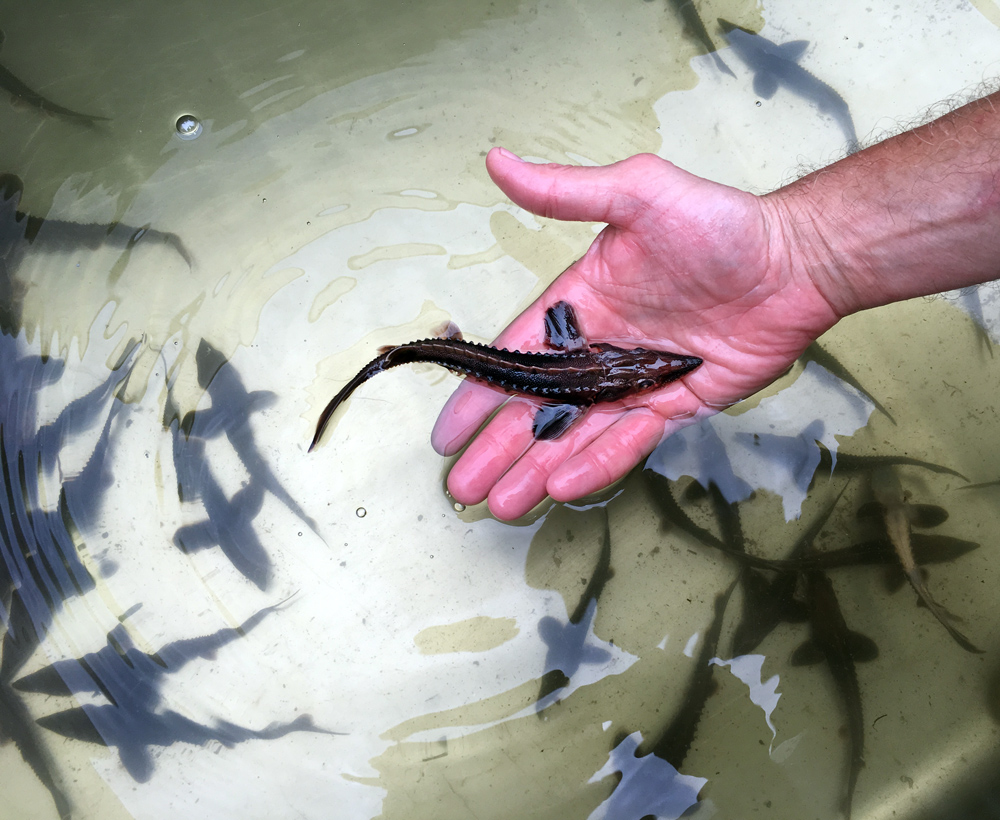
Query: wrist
(819, 240)
(801, 257)
(914, 215)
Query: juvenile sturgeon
(889, 493)
(20, 92)
(569, 381)
(776, 65)
(832, 641)
(694, 27)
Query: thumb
(616, 194)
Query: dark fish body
(889, 493)
(603, 374)
(927, 549)
(672, 513)
(570, 380)
(695, 28)
(20, 92)
(675, 742)
(815, 352)
(847, 462)
(776, 65)
(994, 483)
(21, 231)
(603, 572)
(839, 647)
(765, 605)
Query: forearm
(916, 214)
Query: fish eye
(644, 384)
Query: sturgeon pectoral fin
(561, 329)
(807, 654)
(861, 647)
(765, 84)
(894, 579)
(926, 515)
(552, 420)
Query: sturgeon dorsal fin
(792, 50)
(449, 330)
(807, 654)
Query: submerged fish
(568, 642)
(832, 641)
(21, 231)
(889, 493)
(816, 353)
(768, 604)
(694, 27)
(850, 463)
(973, 304)
(994, 483)
(776, 65)
(569, 381)
(678, 736)
(672, 514)
(21, 93)
(927, 549)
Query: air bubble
(361, 512)
(188, 127)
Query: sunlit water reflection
(202, 620)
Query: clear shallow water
(220, 632)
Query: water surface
(203, 620)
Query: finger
(621, 448)
(611, 193)
(524, 485)
(492, 453)
(609, 457)
(517, 494)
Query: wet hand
(685, 265)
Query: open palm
(685, 265)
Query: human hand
(685, 265)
